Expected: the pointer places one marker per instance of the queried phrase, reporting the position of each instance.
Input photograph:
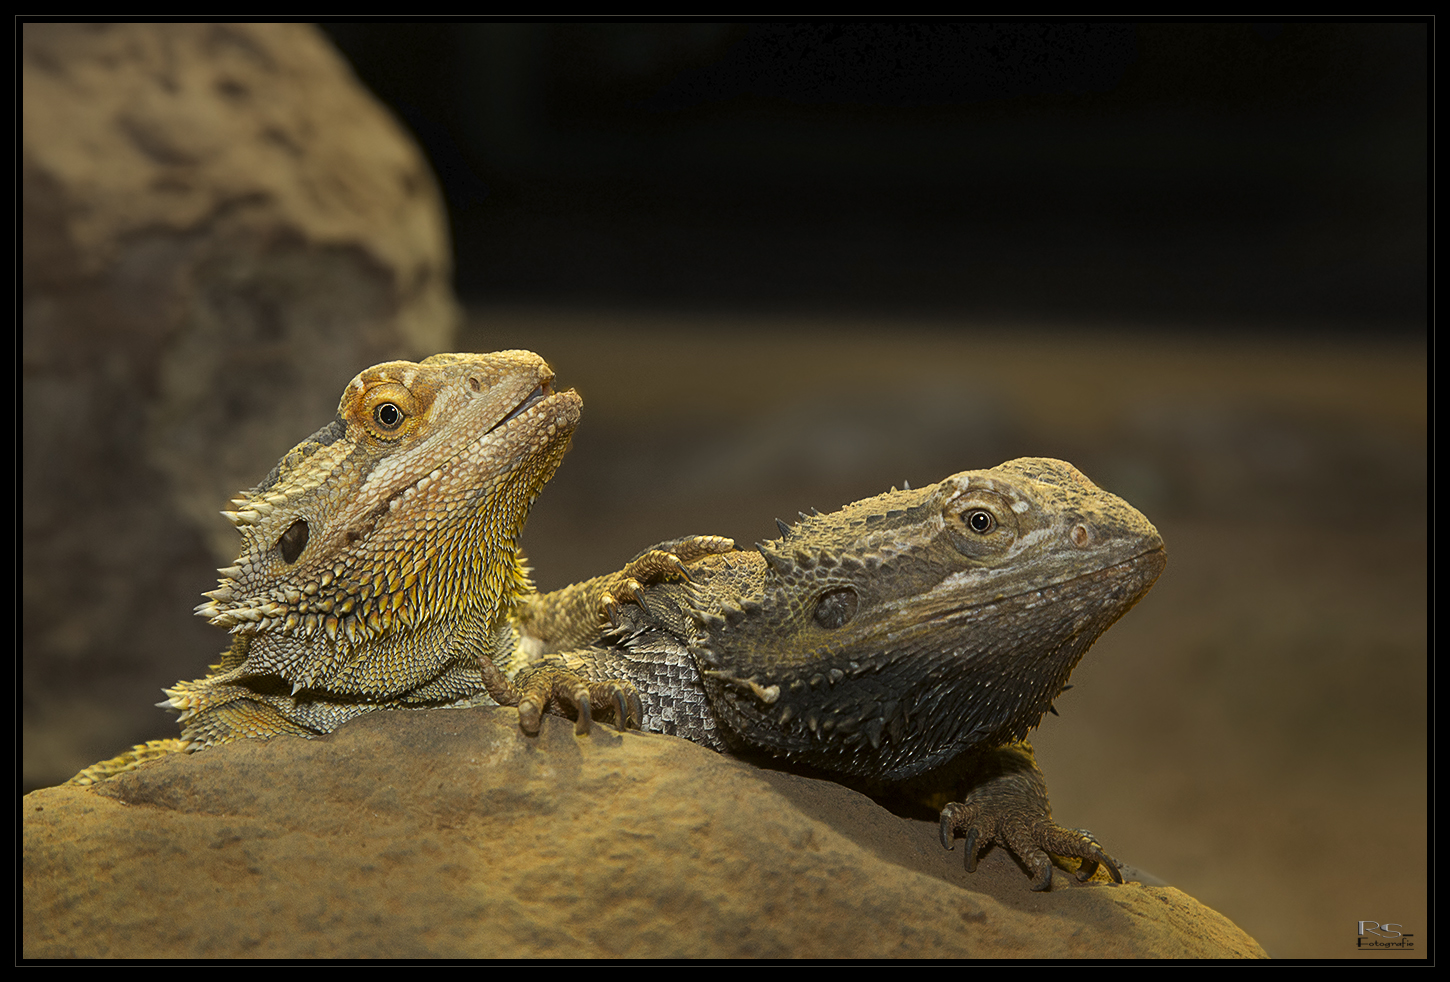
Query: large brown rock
(450, 834)
(220, 228)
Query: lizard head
(905, 629)
(397, 519)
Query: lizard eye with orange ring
(386, 409)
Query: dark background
(1210, 175)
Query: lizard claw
(530, 716)
(661, 564)
(626, 589)
(678, 568)
(581, 703)
(544, 685)
(1081, 844)
(628, 709)
(1033, 839)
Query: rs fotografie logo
(1373, 934)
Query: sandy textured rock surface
(450, 834)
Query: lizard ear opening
(293, 541)
(835, 608)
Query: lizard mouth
(1143, 568)
(1138, 573)
(541, 392)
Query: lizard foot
(543, 685)
(657, 564)
(1030, 837)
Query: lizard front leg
(561, 667)
(551, 666)
(575, 616)
(657, 564)
(1008, 806)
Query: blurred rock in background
(220, 228)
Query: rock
(450, 834)
(220, 228)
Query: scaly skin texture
(906, 643)
(379, 562)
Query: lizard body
(909, 642)
(379, 564)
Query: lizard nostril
(1081, 537)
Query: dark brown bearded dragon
(905, 643)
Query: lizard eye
(293, 541)
(388, 416)
(384, 409)
(982, 523)
(980, 520)
(836, 607)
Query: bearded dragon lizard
(380, 568)
(905, 643)
(911, 639)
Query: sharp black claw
(639, 602)
(948, 830)
(971, 847)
